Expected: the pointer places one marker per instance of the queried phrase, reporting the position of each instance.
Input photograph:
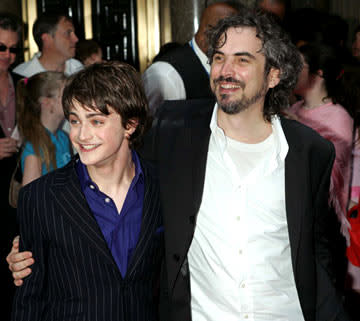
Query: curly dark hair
(280, 53)
(110, 84)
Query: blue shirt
(121, 230)
(62, 151)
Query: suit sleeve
(30, 298)
(329, 305)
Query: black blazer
(179, 143)
(74, 275)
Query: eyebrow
(89, 115)
(240, 53)
(12, 46)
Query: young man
(55, 36)
(94, 226)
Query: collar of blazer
(69, 199)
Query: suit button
(192, 219)
(176, 257)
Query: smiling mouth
(229, 86)
(89, 147)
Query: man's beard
(235, 107)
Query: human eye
(243, 60)
(218, 58)
(97, 122)
(73, 121)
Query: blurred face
(273, 7)
(94, 58)
(98, 138)
(356, 46)
(64, 39)
(8, 39)
(58, 110)
(237, 72)
(305, 80)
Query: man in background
(55, 36)
(183, 73)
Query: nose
(227, 69)
(75, 39)
(84, 133)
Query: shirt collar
(200, 54)
(85, 179)
(279, 136)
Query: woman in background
(40, 114)
(324, 107)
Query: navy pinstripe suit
(75, 276)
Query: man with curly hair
(246, 222)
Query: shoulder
(191, 109)
(159, 69)
(62, 135)
(28, 149)
(29, 68)
(73, 66)
(302, 136)
(57, 177)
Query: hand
(19, 262)
(8, 146)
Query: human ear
(131, 126)
(273, 77)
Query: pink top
(335, 124)
(355, 183)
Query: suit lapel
(295, 190)
(68, 196)
(149, 222)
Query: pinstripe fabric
(75, 276)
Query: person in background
(276, 7)
(323, 108)
(10, 34)
(183, 73)
(88, 52)
(355, 48)
(45, 146)
(55, 37)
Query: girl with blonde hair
(40, 115)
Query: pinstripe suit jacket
(75, 276)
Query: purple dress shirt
(121, 230)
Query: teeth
(230, 86)
(87, 147)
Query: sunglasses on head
(13, 50)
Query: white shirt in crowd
(162, 81)
(33, 66)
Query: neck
(4, 76)
(315, 96)
(114, 174)
(248, 126)
(52, 61)
(201, 42)
(50, 123)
